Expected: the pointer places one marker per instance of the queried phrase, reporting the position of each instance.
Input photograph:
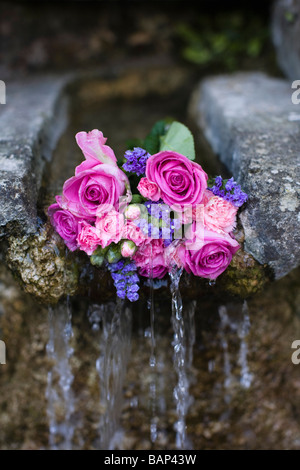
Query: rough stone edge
(202, 121)
(54, 122)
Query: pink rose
(181, 181)
(134, 233)
(88, 238)
(156, 269)
(212, 258)
(96, 185)
(92, 146)
(219, 215)
(110, 228)
(65, 223)
(149, 190)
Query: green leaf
(179, 139)
(137, 199)
(152, 141)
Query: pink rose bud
(128, 249)
(149, 190)
(132, 212)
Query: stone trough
(249, 122)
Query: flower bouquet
(151, 212)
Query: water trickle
(112, 322)
(225, 321)
(245, 375)
(182, 356)
(240, 328)
(153, 359)
(59, 394)
(190, 332)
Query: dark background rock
(286, 34)
(251, 123)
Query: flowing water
(182, 358)
(59, 392)
(239, 326)
(246, 377)
(112, 324)
(153, 358)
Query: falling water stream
(225, 321)
(181, 358)
(241, 328)
(59, 393)
(153, 358)
(112, 323)
(246, 376)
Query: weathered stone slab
(253, 126)
(30, 123)
(286, 34)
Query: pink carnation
(156, 269)
(172, 255)
(149, 249)
(88, 238)
(150, 259)
(110, 227)
(149, 190)
(219, 215)
(134, 233)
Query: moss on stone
(41, 264)
(244, 276)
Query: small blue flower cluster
(136, 160)
(125, 279)
(232, 192)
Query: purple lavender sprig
(136, 160)
(125, 279)
(228, 190)
(162, 226)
